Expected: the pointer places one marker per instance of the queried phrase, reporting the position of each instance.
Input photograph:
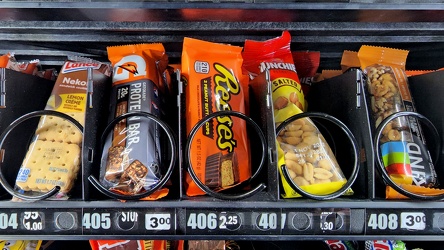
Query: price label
(267, 221)
(127, 220)
(413, 220)
(331, 221)
(96, 221)
(158, 221)
(221, 222)
(33, 221)
(8, 221)
(230, 221)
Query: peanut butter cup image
(221, 170)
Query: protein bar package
(301, 147)
(132, 156)
(53, 157)
(403, 147)
(220, 153)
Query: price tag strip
(409, 221)
(232, 221)
(40, 221)
(316, 221)
(129, 221)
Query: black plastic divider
(261, 111)
(427, 92)
(22, 94)
(96, 116)
(343, 97)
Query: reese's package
(301, 147)
(53, 157)
(132, 156)
(403, 148)
(220, 153)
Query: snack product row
(147, 145)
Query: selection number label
(8, 221)
(383, 221)
(97, 221)
(267, 221)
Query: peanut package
(403, 147)
(220, 153)
(301, 147)
(53, 157)
(20, 244)
(132, 156)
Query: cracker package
(132, 155)
(402, 144)
(220, 153)
(53, 157)
(301, 147)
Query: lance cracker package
(301, 147)
(132, 156)
(403, 147)
(220, 153)
(53, 157)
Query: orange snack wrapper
(220, 153)
(403, 148)
(417, 72)
(349, 59)
(393, 194)
(132, 156)
(8, 61)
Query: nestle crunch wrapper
(403, 147)
(132, 156)
(220, 153)
(301, 147)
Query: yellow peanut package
(301, 147)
